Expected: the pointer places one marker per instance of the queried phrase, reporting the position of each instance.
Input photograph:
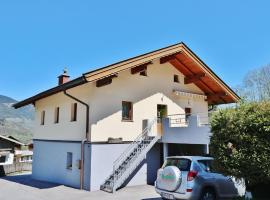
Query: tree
(256, 85)
(240, 142)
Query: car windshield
(182, 163)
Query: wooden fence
(16, 167)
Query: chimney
(63, 78)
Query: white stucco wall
(65, 129)
(106, 104)
(102, 165)
(190, 134)
(49, 162)
(145, 93)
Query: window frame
(176, 78)
(42, 118)
(130, 118)
(56, 115)
(74, 112)
(69, 163)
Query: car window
(182, 163)
(196, 167)
(206, 165)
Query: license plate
(167, 196)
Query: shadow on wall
(150, 88)
(110, 111)
(28, 181)
(133, 173)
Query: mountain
(16, 122)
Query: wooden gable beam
(168, 58)
(140, 68)
(216, 96)
(181, 67)
(200, 83)
(194, 78)
(176, 62)
(105, 81)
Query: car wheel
(208, 194)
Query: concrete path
(22, 187)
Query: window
(143, 73)
(127, 111)
(2, 159)
(69, 160)
(56, 115)
(188, 112)
(206, 165)
(42, 121)
(74, 112)
(182, 163)
(176, 79)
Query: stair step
(107, 189)
(129, 163)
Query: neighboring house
(8, 147)
(22, 156)
(113, 126)
(30, 146)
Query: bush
(240, 142)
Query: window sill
(127, 120)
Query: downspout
(87, 136)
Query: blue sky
(39, 38)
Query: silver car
(192, 178)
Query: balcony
(186, 129)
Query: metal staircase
(128, 161)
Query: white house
(113, 126)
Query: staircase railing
(139, 140)
(134, 143)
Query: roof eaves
(131, 58)
(73, 83)
(11, 140)
(208, 68)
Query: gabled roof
(178, 55)
(73, 83)
(11, 140)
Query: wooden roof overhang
(178, 55)
(204, 78)
(184, 60)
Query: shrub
(240, 142)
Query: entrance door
(161, 113)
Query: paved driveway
(22, 187)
